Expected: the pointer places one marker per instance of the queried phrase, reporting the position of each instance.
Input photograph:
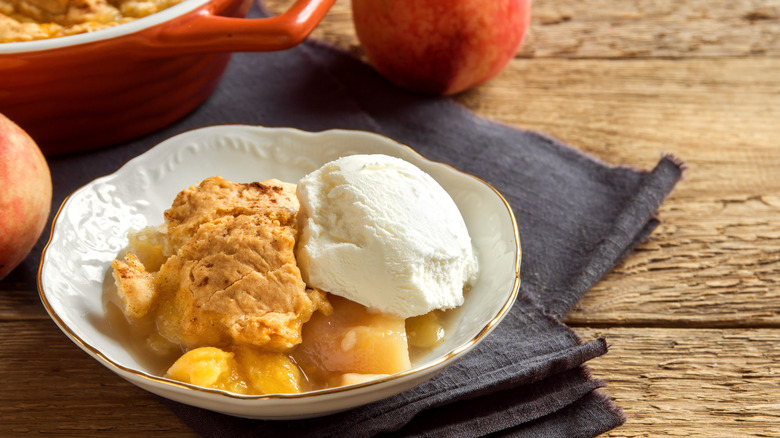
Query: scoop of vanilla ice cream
(381, 232)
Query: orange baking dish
(95, 89)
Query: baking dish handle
(202, 31)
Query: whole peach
(25, 194)
(440, 46)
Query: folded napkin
(577, 218)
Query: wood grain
(654, 28)
(629, 111)
(19, 302)
(692, 382)
(51, 387)
(712, 263)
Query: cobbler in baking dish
(28, 20)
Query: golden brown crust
(26, 20)
(216, 197)
(233, 278)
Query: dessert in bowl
(91, 228)
(94, 89)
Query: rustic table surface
(692, 316)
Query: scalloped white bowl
(91, 226)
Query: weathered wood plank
(51, 387)
(654, 28)
(17, 301)
(629, 111)
(692, 382)
(712, 263)
(609, 29)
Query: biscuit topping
(231, 278)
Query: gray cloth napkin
(577, 218)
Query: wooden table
(692, 316)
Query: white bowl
(91, 226)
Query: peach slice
(208, 367)
(353, 339)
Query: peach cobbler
(218, 282)
(28, 20)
